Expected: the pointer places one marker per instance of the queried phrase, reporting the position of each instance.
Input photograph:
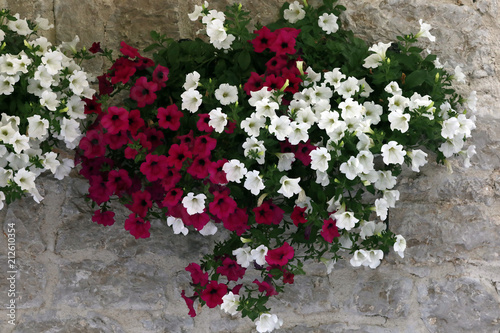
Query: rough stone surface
(77, 276)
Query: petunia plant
(290, 137)
(41, 106)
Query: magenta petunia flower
(266, 287)
(115, 120)
(254, 83)
(160, 75)
(268, 213)
(213, 294)
(177, 154)
(172, 177)
(197, 274)
(298, 215)
(137, 226)
(237, 221)
(117, 140)
(128, 50)
(281, 255)
(264, 39)
(143, 92)
(154, 167)
(141, 202)
(329, 231)
(190, 303)
(203, 145)
(172, 197)
(202, 123)
(198, 168)
(223, 205)
(92, 144)
(119, 181)
(217, 175)
(231, 269)
(105, 218)
(285, 41)
(135, 122)
(99, 192)
(169, 117)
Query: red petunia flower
(172, 197)
(177, 154)
(281, 255)
(154, 167)
(203, 145)
(276, 64)
(137, 226)
(143, 92)
(168, 118)
(329, 231)
(92, 106)
(198, 168)
(105, 218)
(95, 48)
(172, 177)
(222, 206)
(264, 39)
(230, 127)
(154, 137)
(92, 144)
(143, 63)
(130, 153)
(273, 82)
(105, 86)
(128, 50)
(213, 293)
(266, 287)
(254, 83)
(298, 215)
(285, 41)
(288, 277)
(237, 221)
(117, 140)
(303, 152)
(135, 121)
(160, 75)
(115, 120)
(231, 269)
(190, 303)
(99, 192)
(268, 213)
(198, 221)
(141, 202)
(122, 70)
(202, 124)
(119, 181)
(217, 175)
(197, 274)
(187, 139)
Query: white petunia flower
(374, 60)
(53, 61)
(319, 159)
(294, 13)
(78, 82)
(352, 168)
(20, 142)
(345, 220)
(424, 31)
(268, 322)
(192, 81)
(328, 22)
(298, 133)
(371, 228)
(393, 153)
(6, 84)
(235, 170)
(253, 124)
(20, 26)
(348, 87)
(385, 180)
(191, 100)
(289, 186)
(334, 77)
(259, 255)
(37, 127)
(280, 127)
(209, 229)
(418, 159)
(226, 94)
(194, 204)
(243, 256)
(64, 168)
(391, 196)
(266, 108)
(399, 121)
(253, 147)
(400, 246)
(25, 179)
(50, 162)
(254, 182)
(218, 120)
(177, 225)
(285, 161)
(459, 76)
(70, 132)
(195, 15)
(230, 303)
(381, 208)
(49, 100)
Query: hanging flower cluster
(294, 153)
(41, 91)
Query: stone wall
(76, 276)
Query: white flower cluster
(48, 88)
(215, 29)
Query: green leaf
(244, 59)
(416, 78)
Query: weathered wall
(76, 276)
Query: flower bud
(300, 66)
(287, 82)
(245, 240)
(436, 78)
